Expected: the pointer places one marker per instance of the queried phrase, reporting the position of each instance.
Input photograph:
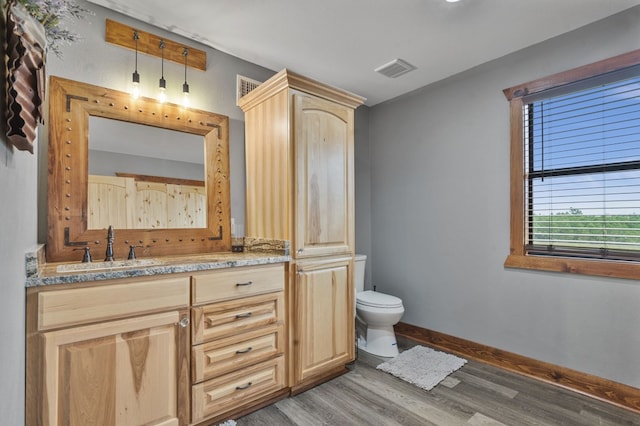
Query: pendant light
(185, 85)
(162, 97)
(135, 93)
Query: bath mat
(422, 366)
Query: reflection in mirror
(144, 177)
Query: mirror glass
(144, 177)
(148, 150)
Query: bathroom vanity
(188, 340)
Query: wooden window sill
(597, 267)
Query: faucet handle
(86, 257)
(132, 252)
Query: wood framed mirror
(72, 106)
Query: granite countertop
(256, 252)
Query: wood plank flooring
(476, 395)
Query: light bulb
(135, 91)
(185, 85)
(162, 96)
(185, 94)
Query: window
(575, 170)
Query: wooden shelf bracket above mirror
(122, 35)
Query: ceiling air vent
(395, 68)
(244, 85)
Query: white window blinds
(582, 162)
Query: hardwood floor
(477, 394)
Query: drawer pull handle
(245, 315)
(244, 284)
(243, 387)
(244, 351)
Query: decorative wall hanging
(33, 27)
(26, 51)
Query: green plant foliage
(572, 229)
(52, 14)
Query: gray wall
(18, 219)
(362, 169)
(440, 218)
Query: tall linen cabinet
(299, 136)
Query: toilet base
(380, 341)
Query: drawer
(222, 356)
(122, 298)
(233, 390)
(233, 317)
(232, 283)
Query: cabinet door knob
(184, 322)
(300, 251)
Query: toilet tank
(358, 275)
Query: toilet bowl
(376, 314)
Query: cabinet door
(126, 372)
(324, 177)
(323, 317)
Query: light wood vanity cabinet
(299, 137)
(170, 350)
(238, 338)
(109, 354)
(323, 316)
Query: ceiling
(341, 42)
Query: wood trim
(597, 267)
(586, 71)
(161, 179)
(605, 390)
(34, 361)
(122, 35)
(288, 79)
(517, 178)
(183, 345)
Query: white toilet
(376, 314)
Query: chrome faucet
(109, 253)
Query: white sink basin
(98, 266)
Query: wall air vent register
(244, 85)
(395, 68)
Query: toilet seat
(375, 299)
